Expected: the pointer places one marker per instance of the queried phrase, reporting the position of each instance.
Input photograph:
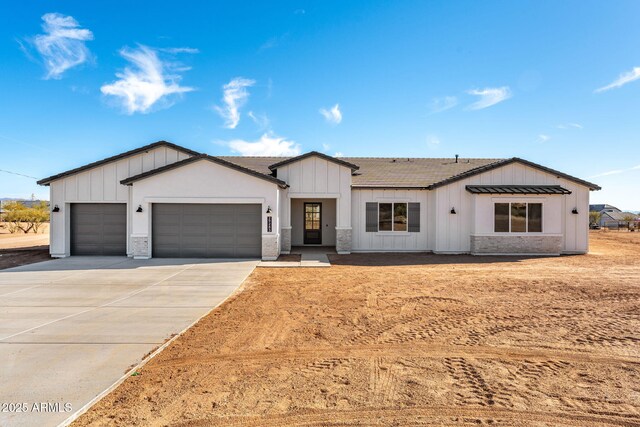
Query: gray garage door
(98, 229)
(206, 230)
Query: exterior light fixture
(55, 209)
(139, 208)
(575, 211)
(453, 211)
(268, 209)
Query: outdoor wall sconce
(575, 211)
(139, 208)
(268, 209)
(55, 209)
(453, 211)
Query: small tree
(20, 217)
(594, 217)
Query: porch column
(285, 231)
(343, 224)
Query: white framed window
(392, 217)
(401, 217)
(517, 217)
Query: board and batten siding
(101, 184)
(203, 182)
(452, 232)
(383, 241)
(317, 178)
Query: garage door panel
(206, 230)
(98, 229)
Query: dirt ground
(20, 249)
(399, 340)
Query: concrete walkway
(71, 328)
(310, 256)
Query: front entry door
(313, 223)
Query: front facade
(163, 200)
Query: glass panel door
(313, 223)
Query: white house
(163, 200)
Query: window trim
(526, 218)
(392, 231)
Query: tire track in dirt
(426, 416)
(427, 351)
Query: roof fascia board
(498, 164)
(351, 166)
(176, 165)
(46, 181)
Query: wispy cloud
(268, 145)
(338, 154)
(175, 50)
(565, 126)
(261, 120)
(274, 42)
(489, 96)
(543, 138)
(147, 82)
(235, 95)
(333, 115)
(433, 142)
(62, 46)
(616, 171)
(439, 105)
(622, 80)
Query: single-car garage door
(206, 230)
(98, 229)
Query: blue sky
(557, 83)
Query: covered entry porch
(314, 222)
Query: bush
(20, 217)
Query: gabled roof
(619, 216)
(600, 208)
(317, 154)
(383, 172)
(517, 189)
(217, 160)
(505, 162)
(46, 181)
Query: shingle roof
(517, 189)
(599, 208)
(46, 181)
(425, 173)
(619, 216)
(223, 162)
(384, 172)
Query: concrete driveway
(70, 328)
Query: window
(384, 216)
(401, 217)
(392, 217)
(501, 218)
(518, 217)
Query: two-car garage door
(178, 230)
(206, 230)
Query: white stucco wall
(100, 185)
(389, 240)
(203, 181)
(453, 231)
